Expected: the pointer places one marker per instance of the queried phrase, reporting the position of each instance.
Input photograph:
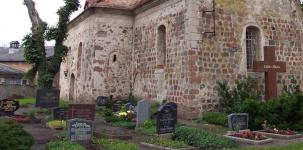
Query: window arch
(253, 46)
(162, 45)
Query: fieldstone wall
(224, 56)
(102, 66)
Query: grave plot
(273, 132)
(238, 124)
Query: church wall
(104, 35)
(154, 80)
(224, 56)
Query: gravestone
(83, 111)
(102, 100)
(8, 107)
(47, 98)
(117, 106)
(143, 112)
(80, 130)
(238, 121)
(167, 118)
(60, 113)
(270, 67)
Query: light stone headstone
(143, 112)
(80, 130)
(238, 121)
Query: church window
(115, 58)
(162, 45)
(252, 46)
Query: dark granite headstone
(8, 107)
(60, 113)
(47, 98)
(117, 107)
(102, 101)
(80, 130)
(238, 121)
(83, 111)
(166, 118)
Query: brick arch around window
(253, 41)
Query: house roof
(6, 70)
(118, 4)
(18, 55)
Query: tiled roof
(5, 56)
(6, 70)
(119, 4)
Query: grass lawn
(32, 101)
(110, 144)
(298, 146)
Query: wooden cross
(271, 67)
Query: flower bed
(25, 119)
(56, 124)
(279, 134)
(249, 137)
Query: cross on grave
(271, 67)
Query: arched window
(71, 88)
(162, 45)
(79, 59)
(115, 58)
(253, 46)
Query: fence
(17, 90)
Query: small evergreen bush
(231, 99)
(63, 145)
(217, 118)
(202, 139)
(110, 144)
(12, 136)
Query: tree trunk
(33, 14)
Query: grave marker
(8, 107)
(143, 112)
(270, 67)
(238, 121)
(167, 118)
(47, 98)
(83, 111)
(60, 113)
(102, 101)
(80, 130)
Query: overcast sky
(15, 22)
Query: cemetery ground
(115, 129)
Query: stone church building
(177, 50)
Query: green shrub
(125, 124)
(149, 127)
(217, 118)
(63, 145)
(14, 137)
(167, 143)
(232, 98)
(110, 144)
(202, 139)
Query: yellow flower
(122, 114)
